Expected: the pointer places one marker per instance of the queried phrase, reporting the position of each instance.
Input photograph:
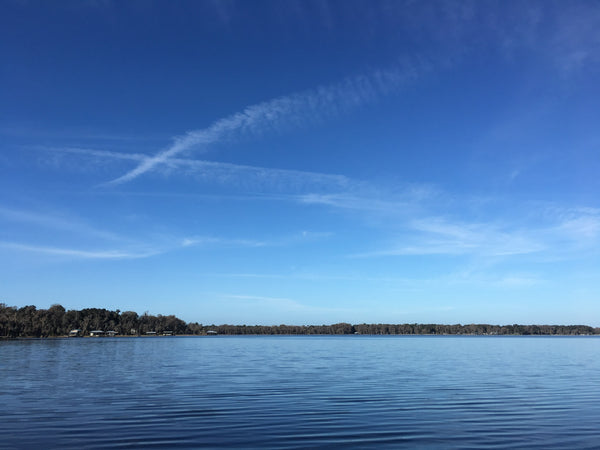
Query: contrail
(226, 172)
(279, 113)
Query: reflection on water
(301, 391)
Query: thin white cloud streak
(352, 202)
(428, 236)
(103, 154)
(437, 236)
(228, 173)
(483, 238)
(296, 238)
(75, 135)
(280, 179)
(557, 233)
(363, 197)
(136, 250)
(288, 111)
(116, 254)
(55, 222)
(75, 253)
(149, 250)
(358, 277)
(518, 281)
(196, 241)
(146, 252)
(584, 227)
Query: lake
(301, 391)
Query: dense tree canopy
(28, 321)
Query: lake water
(299, 392)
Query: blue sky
(303, 162)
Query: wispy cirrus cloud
(442, 236)
(77, 253)
(284, 112)
(63, 227)
(423, 222)
(55, 221)
(281, 241)
(366, 198)
(142, 246)
(580, 224)
(133, 251)
(196, 241)
(558, 238)
(224, 173)
(518, 281)
(139, 251)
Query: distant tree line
(28, 321)
(403, 329)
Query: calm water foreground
(298, 392)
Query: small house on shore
(75, 333)
(96, 333)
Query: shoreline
(8, 338)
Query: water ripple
(299, 392)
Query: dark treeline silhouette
(409, 328)
(29, 321)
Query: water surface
(301, 391)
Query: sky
(303, 162)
